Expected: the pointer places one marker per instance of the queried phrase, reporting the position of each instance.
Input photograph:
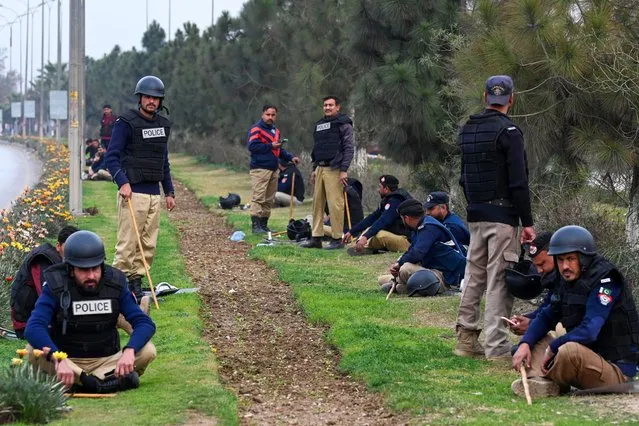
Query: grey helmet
(150, 85)
(84, 249)
(423, 283)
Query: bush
(30, 395)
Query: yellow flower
(21, 352)
(16, 361)
(37, 353)
(59, 355)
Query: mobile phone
(283, 141)
(509, 321)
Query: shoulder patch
(604, 299)
(420, 226)
(387, 206)
(605, 280)
(511, 128)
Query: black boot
(264, 223)
(112, 384)
(256, 225)
(336, 243)
(135, 286)
(314, 242)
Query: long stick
(524, 379)
(90, 395)
(290, 208)
(146, 267)
(392, 289)
(348, 211)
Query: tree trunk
(632, 218)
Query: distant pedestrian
(265, 146)
(106, 125)
(495, 181)
(138, 160)
(333, 151)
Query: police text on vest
(92, 307)
(323, 126)
(153, 133)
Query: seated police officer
(545, 266)
(436, 205)
(595, 305)
(432, 248)
(383, 229)
(80, 302)
(289, 180)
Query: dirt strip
(280, 366)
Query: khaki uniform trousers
(146, 209)
(385, 240)
(493, 247)
(98, 367)
(575, 365)
(328, 189)
(283, 199)
(264, 184)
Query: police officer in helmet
(595, 305)
(77, 314)
(138, 160)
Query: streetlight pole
(58, 71)
(76, 101)
(41, 126)
(26, 73)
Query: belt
(324, 163)
(501, 202)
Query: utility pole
(49, 35)
(169, 21)
(41, 126)
(212, 12)
(58, 71)
(76, 101)
(26, 73)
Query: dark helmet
(571, 239)
(298, 229)
(522, 280)
(229, 202)
(84, 249)
(150, 85)
(423, 283)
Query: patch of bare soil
(280, 366)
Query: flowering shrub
(37, 214)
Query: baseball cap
(539, 244)
(106, 106)
(410, 207)
(499, 88)
(436, 198)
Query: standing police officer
(495, 181)
(77, 314)
(138, 160)
(595, 305)
(266, 150)
(332, 154)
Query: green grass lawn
(183, 381)
(402, 347)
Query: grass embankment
(182, 383)
(403, 347)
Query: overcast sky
(108, 22)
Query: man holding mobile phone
(595, 305)
(265, 147)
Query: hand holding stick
(524, 379)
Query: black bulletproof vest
(621, 330)
(326, 138)
(483, 164)
(23, 291)
(81, 330)
(397, 227)
(143, 158)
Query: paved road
(19, 169)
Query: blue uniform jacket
(458, 228)
(260, 144)
(585, 333)
(43, 315)
(434, 247)
(119, 137)
(381, 218)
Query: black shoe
(135, 286)
(112, 384)
(130, 381)
(352, 251)
(264, 224)
(336, 243)
(314, 242)
(256, 225)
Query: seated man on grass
(288, 172)
(383, 229)
(436, 205)
(76, 316)
(432, 248)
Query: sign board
(58, 104)
(29, 109)
(16, 109)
